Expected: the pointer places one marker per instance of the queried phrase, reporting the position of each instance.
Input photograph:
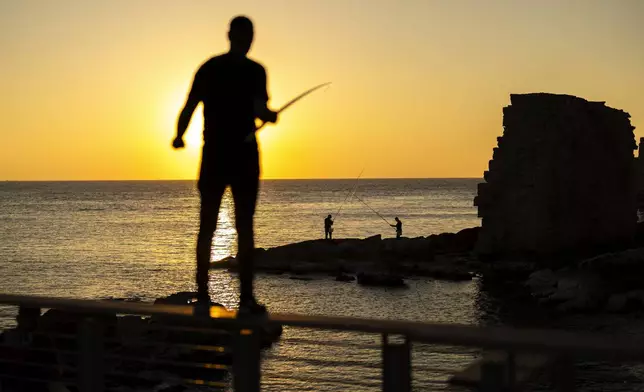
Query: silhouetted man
(233, 91)
(328, 228)
(398, 227)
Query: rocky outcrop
(381, 280)
(560, 180)
(445, 256)
(568, 291)
(610, 282)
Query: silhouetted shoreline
(590, 281)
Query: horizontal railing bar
(39, 349)
(35, 379)
(56, 335)
(209, 330)
(183, 346)
(485, 337)
(50, 366)
(152, 361)
(447, 334)
(217, 384)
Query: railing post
(396, 365)
(91, 369)
(246, 361)
(492, 376)
(512, 370)
(563, 374)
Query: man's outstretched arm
(186, 114)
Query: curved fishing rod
(286, 105)
(351, 193)
(376, 212)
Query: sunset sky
(91, 89)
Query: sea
(135, 240)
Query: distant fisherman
(328, 228)
(398, 227)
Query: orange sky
(92, 89)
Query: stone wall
(562, 177)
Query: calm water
(136, 240)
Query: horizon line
(261, 179)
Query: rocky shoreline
(584, 282)
(608, 283)
(372, 260)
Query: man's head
(240, 34)
(397, 219)
(329, 216)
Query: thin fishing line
(351, 193)
(376, 212)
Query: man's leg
(211, 194)
(244, 190)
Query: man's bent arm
(185, 116)
(263, 112)
(189, 108)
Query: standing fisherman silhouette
(398, 227)
(328, 228)
(233, 90)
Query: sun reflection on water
(225, 241)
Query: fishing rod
(376, 212)
(285, 106)
(351, 193)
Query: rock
(542, 278)
(616, 303)
(461, 242)
(345, 278)
(303, 268)
(226, 262)
(354, 266)
(542, 283)
(374, 238)
(578, 292)
(269, 264)
(636, 295)
(306, 278)
(465, 240)
(578, 304)
(443, 271)
(625, 268)
(382, 280)
(180, 298)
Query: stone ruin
(561, 179)
(639, 175)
